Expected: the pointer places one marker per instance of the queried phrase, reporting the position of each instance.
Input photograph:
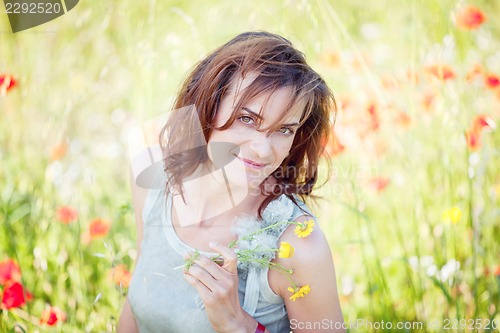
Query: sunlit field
(411, 207)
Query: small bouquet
(257, 242)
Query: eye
(286, 130)
(246, 119)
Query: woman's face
(247, 150)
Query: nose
(261, 144)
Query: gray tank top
(160, 298)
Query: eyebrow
(258, 116)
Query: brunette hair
(276, 64)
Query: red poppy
(441, 72)
(470, 18)
(428, 100)
(473, 138)
(7, 82)
(481, 121)
(98, 228)
(379, 183)
(373, 114)
(473, 134)
(9, 271)
(67, 214)
(58, 151)
(333, 146)
(14, 295)
(121, 276)
(491, 81)
(497, 271)
(52, 315)
(402, 118)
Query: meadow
(411, 207)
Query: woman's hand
(218, 288)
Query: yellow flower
(304, 229)
(452, 215)
(497, 189)
(286, 250)
(299, 292)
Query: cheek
(237, 133)
(227, 135)
(284, 144)
(222, 146)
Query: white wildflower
(347, 285)
(422, 263)
(447, 271)
(265, 240)
(431, 270)
(260, 237)
(277, 210)
(244, 225)
(244, 244)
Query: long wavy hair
(276, 64)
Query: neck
(210, 199)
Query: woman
(242, 148)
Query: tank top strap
(297, 211)
(301, 209)
(154, 200)
(252, 291)
(257, 285)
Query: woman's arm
(312, 265)
(127, 324)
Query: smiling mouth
(251, 164)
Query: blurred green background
(412, 206)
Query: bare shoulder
(313, 268)
(312, 253)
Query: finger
(202, 289)
(207, 272)
(230, 258)
(203, 277)
(213, 268)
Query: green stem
(269, 264)
(473, 226)
(244, 257)
(276, 267)
(249, 236)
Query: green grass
(87, 77)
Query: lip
(252, 164)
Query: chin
(247, 182)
